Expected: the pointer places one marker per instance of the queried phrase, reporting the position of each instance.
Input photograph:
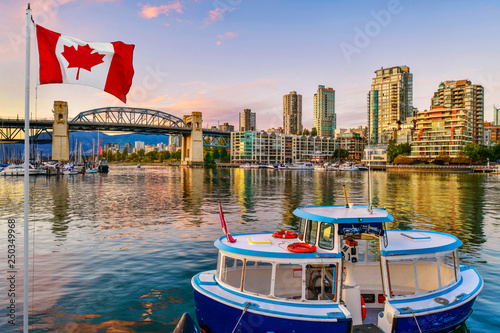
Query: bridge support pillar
(60, 132)
(192, 144)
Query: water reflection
(116, 252)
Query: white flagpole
(26, 168)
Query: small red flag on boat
(230, 239)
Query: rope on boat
(244, 310)
(408, 308)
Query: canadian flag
(65, 59)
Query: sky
(222, 56)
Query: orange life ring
(301, 248)
(363, 309)
(284, 234)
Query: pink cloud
(217, 14)
(149, 11)
(227, 35)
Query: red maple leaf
(82, 58)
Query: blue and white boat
(343, 272)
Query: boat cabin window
(368, 250)
(258, 277)
(302, 228)
(310, 236)
(421, 275)
(326, 232)
(288, 281)
(231, 270)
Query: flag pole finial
(29, 7)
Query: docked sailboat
(342, 271)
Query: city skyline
(222, 57)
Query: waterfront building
(161, 146)
(375, 155)
(114, 146)
(150, 148)
(275, 130)
(272, 147)
(292, 113)
(390, 100)
(325, 119)
(496, 116)
(351, 140)
(139, 145)
(247, 121)
(463, 94)
(128, 145)
(491, 133)
(226, 127)
(442, 131)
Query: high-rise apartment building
(496, 116)
(247, 120)
(389, 101)
(292, 113)
(463, 94)
(325, 119)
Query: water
(116, 252)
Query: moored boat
(343, 270)
(301, 166)
(103, 166)
(18, 170)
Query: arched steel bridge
(112, 119)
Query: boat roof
(264, 245)
(410, 242)
(341, 214)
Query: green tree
(314, 131)
(176, 155)
(224, 156)
(125, 153)
(306, 132)
(134, 156)
(216, 154)
(343, 153)
(117, 156)
(141, 153)
(153, 155)
(147, 159)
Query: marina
(99, 240)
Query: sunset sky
(223, 56)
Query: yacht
(301, 166)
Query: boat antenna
(345, 195)
(369, 179)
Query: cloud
(227, 35)
(149, 11)
(217, 14)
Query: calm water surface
(116, 252)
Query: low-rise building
(264, 147)
(375, 155)
(351, 140)
(441, 131)
(491, 133)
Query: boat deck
(265, 245)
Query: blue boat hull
(440, 322)
(216, 317)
